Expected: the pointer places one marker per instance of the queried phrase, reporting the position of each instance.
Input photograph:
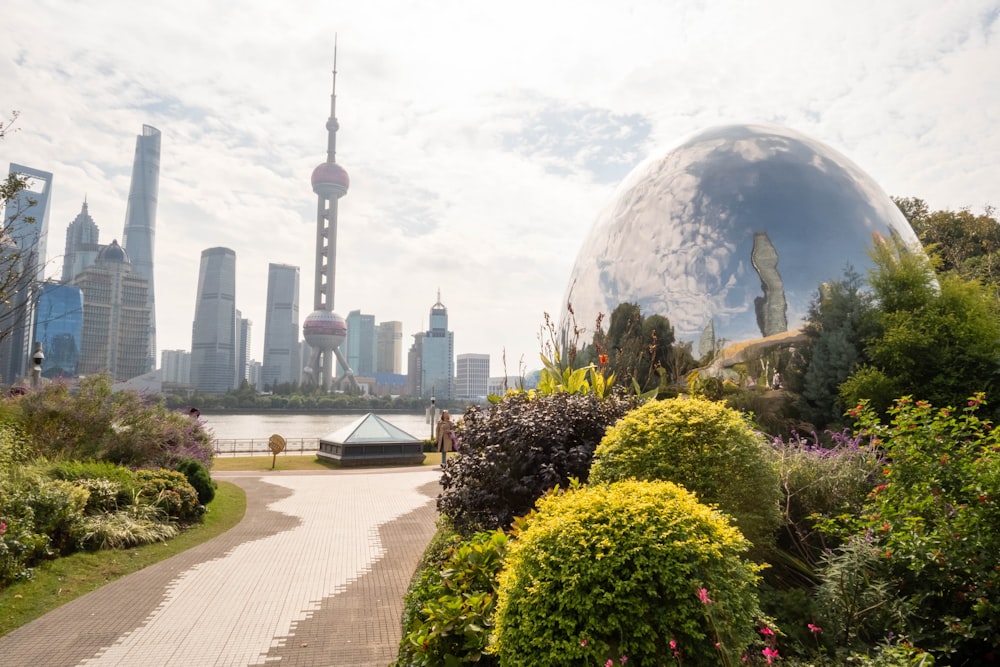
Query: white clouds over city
(481, 139)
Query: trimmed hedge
(634, 570)
(710, 449)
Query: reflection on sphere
(730, 234)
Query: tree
(836, 328)
(639, 348)
(934, 337)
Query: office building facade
(115, 336)
(389, 357)
(140, 221)
(25, 235)
(245, 327)
(361, 344)
(472, 375)
(214, 332)
(437, 355)
(59, 328)
(82, 244)
(282, 360)
(175, 367)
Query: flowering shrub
(703, 445)
(168, 490)
(936, 517)
(632, 571)
(517, 449)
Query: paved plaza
(313, 576)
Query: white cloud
(428, 92)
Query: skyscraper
(389, 358)
(214, 333)
(176, 367)
(361, 343)
(437, 355)
(115, 316)
(25, 232)
(245, 326)
(281, 327)
(82, 244)
(140, 220)
(59, 328)
(472, 375)
(324, 330)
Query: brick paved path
(313, 576)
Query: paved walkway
(313, 576)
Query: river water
(298, 428)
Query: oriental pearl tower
(325, 330)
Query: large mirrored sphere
(730, 234)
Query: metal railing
(261, 447)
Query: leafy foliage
(120, 427)
(934, 337)
(197, 476)
(705, 446)
(453, 602)
(937, 518)
(168, 490)
(518, 448)
(604, 572)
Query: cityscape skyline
(475, 174)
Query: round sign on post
(277, 445)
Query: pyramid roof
(369, 428)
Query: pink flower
(583, 642)
(673, 644)
(3, 527)
(609, 663)
(766, 631)
(770, 654)
(703, 596)
(815, 629)
(624, 659)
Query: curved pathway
(313, 576)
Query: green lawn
(59, 581)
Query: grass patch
(263, 463)
(58, 581)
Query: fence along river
(248, 434)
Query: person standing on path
(445, 436)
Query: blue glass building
(59, 327)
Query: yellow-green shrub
(612, 570)
(704, 446)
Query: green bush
(636, 570)
(706, 447)
(517, 449)
(168, 490)
(58, 508)
(129, 527)
(198, 477)
(452, 603)
(936, 517)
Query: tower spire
(331, 124)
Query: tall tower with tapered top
(325, 330)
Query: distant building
(176, 367)
(472, 374)
(361, 344)
(59, 328)
(243, 348)
(82, 244)
(115, 336)
(140, 221)
(389, 355)
(282, 361)
(23, 251)
(253, 374)
(431, 363)
(214, 332)
(498, 386)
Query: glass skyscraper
(281, 327)
(437, 355)
(25, 231)
(140, 220)
(59, 327)
(361, 343)
(214, 337)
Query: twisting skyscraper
(140, 219)
(325, 330)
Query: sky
(481, 138)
